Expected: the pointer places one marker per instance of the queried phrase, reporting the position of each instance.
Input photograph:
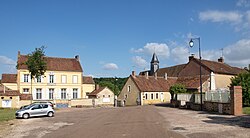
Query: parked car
(40, 102)
(32, 110)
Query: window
(152, 96)
(75, 92)
(129, 88)
(51, 78)
(74, 79)
(63, 93)
(25, 90)
(26, 78)
(37, 106)
(146, 96)
(51, 93)
(38, 79)
(156, 96)
(38, 93)
(64, 79)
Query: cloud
(139, 61)
(243, 3)
(238, 53)
(221, 16)
(8, 65)
(180, 54)
(160, 49)
(110, 66)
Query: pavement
(131, 122)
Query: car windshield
(28, 106)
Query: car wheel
(25, 116)
(50, 114)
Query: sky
(114, 37)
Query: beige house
(63, 81)
(104, 96)
(152, 86)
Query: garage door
(6, 103)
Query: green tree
(177, 88)
(243, 80)
(36, 63)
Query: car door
(45, 109)
(36, 110)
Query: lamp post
(191, 44)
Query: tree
(36, 63)
(177, 88)
(243, 80)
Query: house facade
(104, 96)
(62, 81)
(152, 86)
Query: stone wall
(223, 108)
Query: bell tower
(154, 64)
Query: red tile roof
(9, 93)
(54, 63)
(9, 78)
(87, 80)
(95, 92)
(219, 67)
(171, 71)
(26, 97)
(192, 82)
(151, 84)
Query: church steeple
(154, 64)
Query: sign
(6, 103)
(106, 100)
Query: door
(162, 97)
(36, 110)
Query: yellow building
(62, 81)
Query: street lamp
(191, 44)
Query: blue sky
(114, 37)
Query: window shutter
(55, 78)
(22, 78)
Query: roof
(10, 93)
(87, 80)
(172, 71)
(154, 59)
(26, 97)
(219, 67)
(9, 78)
(95, 92)
(192, 82)
(151, 84)
(54, 63)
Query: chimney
(133, 73)
(166, 76)
(96, 86)
(191, 57)
(146, 75)
(77, 57)
(221, 60)
(155, 75)
(18, 54)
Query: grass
(246, 110)
(7, 114)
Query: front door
(162, 97)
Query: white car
(43, 109)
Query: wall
(81, 102)
(222, 81)
(87, 88)
(214, 107)
(14, 101)
(57, 85)
(132, 95)
(105, 93)
(165, 99)
(12, 86)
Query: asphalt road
(137, 122)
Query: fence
(222, 96)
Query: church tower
(154, 64)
